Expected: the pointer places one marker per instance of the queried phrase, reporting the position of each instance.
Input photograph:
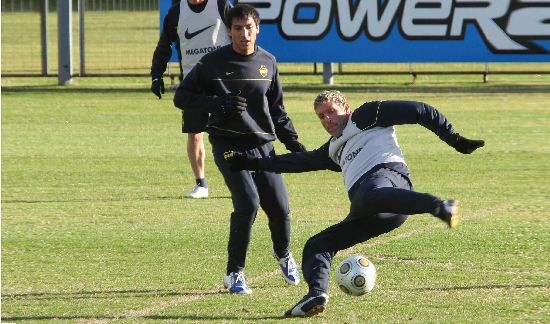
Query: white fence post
(44, 35)
(64, 42)
(81, 38)
(328, 74)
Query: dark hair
(242, 11)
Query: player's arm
(284, 129)
(190, 94)
(163, 50)
(295, 162)
(390, 113)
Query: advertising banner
(404, 30)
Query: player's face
(333, 117)
(243, 35)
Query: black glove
(241, 160)
(467, 146)
(157, 87)
(295, 146)
(229, 104)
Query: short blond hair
(333, 96)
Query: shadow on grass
(121, 294)
(98, 294)
(51, 89)
(295, 87)
(198, 318)
(25, 201)
(475, 287)
(194, 318)
(422, 88)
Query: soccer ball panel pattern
(356, 275)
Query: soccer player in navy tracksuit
(238, 85)
(196, 27)
(364, 148)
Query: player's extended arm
(389, 113)
(296, 162)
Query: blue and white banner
(405, 30)
(164, 6)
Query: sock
(201, 182)
(439, 208)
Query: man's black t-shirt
(254, 77)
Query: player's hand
(295, 146)
(241, 160)
(157, 87)
(467, 146)
(230, 104)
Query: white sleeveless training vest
(357, 151)
(200, 33)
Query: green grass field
(95, 227)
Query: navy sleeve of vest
(390, 113)
(169, 34)
(317, 159)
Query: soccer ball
(356, 275)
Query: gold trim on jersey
(236, 132)
(220, 79)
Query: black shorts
(193, 121)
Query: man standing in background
(197, 27)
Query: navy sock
(201, 182)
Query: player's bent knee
(195, 137)
(394, 221)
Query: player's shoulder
(172, 16)
(365, 114)
(223, 3)
(261, 52)
(217, 55)
(174, 10)
(369, 105)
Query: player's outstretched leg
(310, 305)
(448, 212)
